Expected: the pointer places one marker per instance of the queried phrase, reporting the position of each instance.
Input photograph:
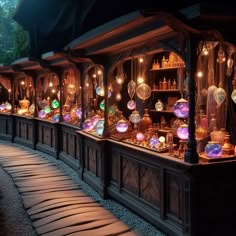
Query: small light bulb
(140, 80)
(141, 60)
(199, 74)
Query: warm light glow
(141, 60)
(22, 82)
(140, 80)
(199, 74)
(87, 84)
(118, 97)
(94, 75)
(50, 84)
(205, 51)
(53, 90)
(162, 139)
(99, 72)
(9, 90)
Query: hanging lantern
(219, 96)
(131, 104)
(182, 132)
(181, 108)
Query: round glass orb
(8, 106)
(140, 136)
(47, 110)
(88, 125)
(78, 113)
(131, 104)
(153, 141)
(162, 139)
(181, 108)
(122, 126)
(56, 118)
(135, 117)
(41, 114)
(2, 107)
(213, 149)
(102, 105)
(100, 127)
(67, 117)
(182, 132)
(55, 104)
(159, 105)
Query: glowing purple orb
(181, 108)
(67, 117)
(140, 136)
(213, 149)
(153, 141)
(41, 114)
(182, 132)
(78, 113)
(131, 104)
(88, 125)
(2, 107)
(122, 126)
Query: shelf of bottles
(94, 100)
(24, 96)
(5, 95)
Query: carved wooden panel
(115, 167)
(71, 144)
(30, 132)
(47, 136)
(9, 126)
(53, 137)
(64, 142)
(40, 134)
(3, 125)
(92, 159)
(77, 149)
(23, 127)
(174, 194)
(150, 184)
(130, 178)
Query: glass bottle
(159, 105)
(212, 124)
(146, 121)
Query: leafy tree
(14, 41)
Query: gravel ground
(17, 223)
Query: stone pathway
(55, 204)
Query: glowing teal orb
(102, 105)
(55, 104)
(47, 110)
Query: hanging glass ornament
(143, 91)
(122, 125)
(219, 96)
(131, 89)
(181, 108)
(131, 104)
(71, 89)
(55, 104)
(135, 117)
(233, 95)
(102, 105)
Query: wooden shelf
(166, 90)
(167, 68)
(163, 111)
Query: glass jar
(217, 136)
(146, 121)
(227, 148)
(213, 149)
